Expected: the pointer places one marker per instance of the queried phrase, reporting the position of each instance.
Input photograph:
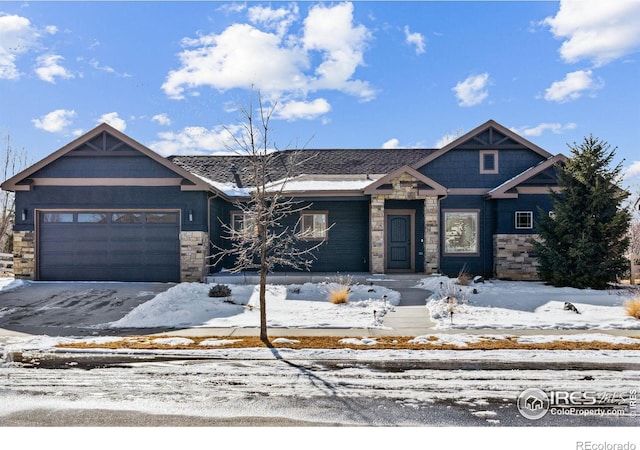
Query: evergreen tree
(583, 243)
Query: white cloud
(96, 65)
(195, 140)
(303, 110)
(449, 137)
(391, 143)
(162, 119)
(49, 67)
(555, 128)
(278, 63)
(331, 31)
(278, 20)
(472, 91)
(596, 30)
(17, 36)
(56, 121)
(416, 39)
(633, 171)
(51, 29)
(572, 87)
(239, 57)
(114, 120)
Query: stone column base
(194, 249)
(24, 255)
(514, 257)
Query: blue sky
(345, 74)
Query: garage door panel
(111, 251)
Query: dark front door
(399, 252)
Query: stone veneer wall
(24, 255)
(405, 187)
(513, 257)
(431, 235)
(194, 249)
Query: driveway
(72, 308)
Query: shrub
(632, 307)
(220, 290)
(340, 294)
(464, 277)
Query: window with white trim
(524, 220)
(242, 222)
(314, 225)
(488, 161)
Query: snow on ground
(499, 304)
(301, 306)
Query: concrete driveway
(72, 309)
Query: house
(105, 207)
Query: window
(161, 217)
(242, 222)
(92, 218)
(314, 225)
(461, 232)
(524, 220)
(488, 161)
(126, 218)
(57, 217)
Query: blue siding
(346, 249)
(506, 209)
(97, 166)
(482, 263)
(460, 168)
(113, 197)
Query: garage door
(109, 246)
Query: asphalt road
(287, 392)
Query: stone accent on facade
(24, 255)
(377, 233)
(514, 257)
(431, 235)
(405, 187)
(194, 249)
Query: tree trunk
(263, 285)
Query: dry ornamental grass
(382, 343)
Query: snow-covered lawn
(496, 304)
(301, 306)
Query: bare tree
(12, 161)
(261, 240)
(634, 228)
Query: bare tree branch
(262, 240)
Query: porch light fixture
(24, 214)
(190, 215)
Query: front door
(399, 249)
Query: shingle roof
(312, 162)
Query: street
(300, 391)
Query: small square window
(314, 225)
(524, 220)
(489, 161)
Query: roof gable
(490, 135)
(509, 189)
(101, 141)
(426, 186)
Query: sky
(175, 75)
